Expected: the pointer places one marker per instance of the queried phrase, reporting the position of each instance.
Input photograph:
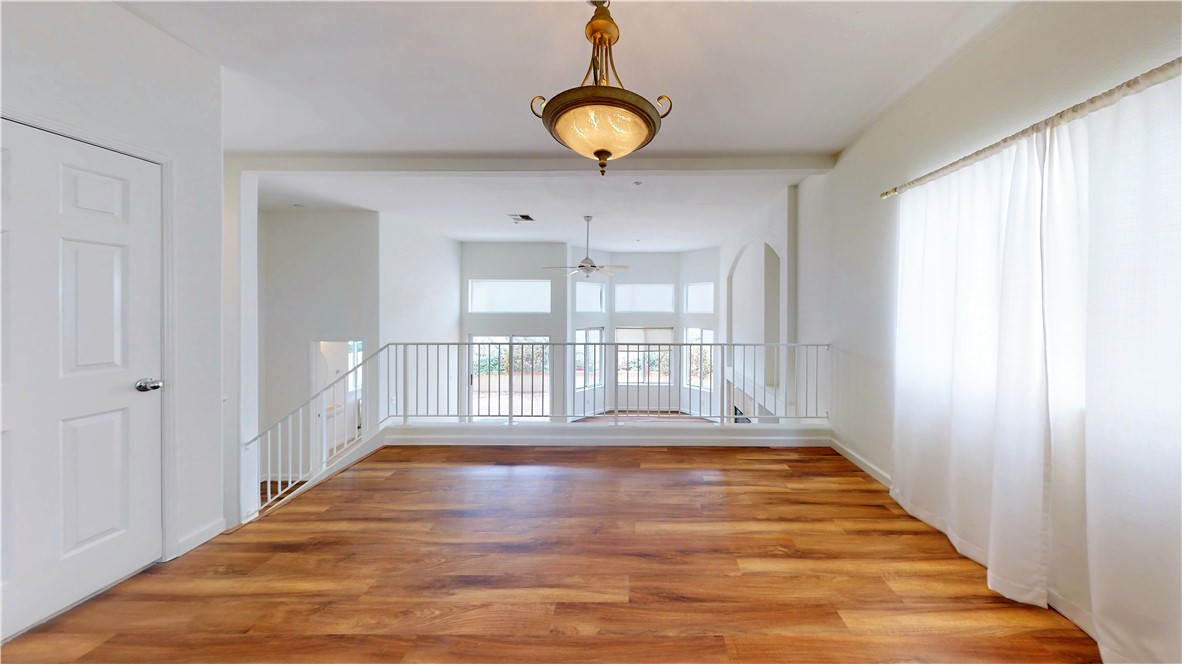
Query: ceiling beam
(799, 163)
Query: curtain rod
(1145, 81)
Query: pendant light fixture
(600, 119)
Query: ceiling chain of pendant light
(600, 119)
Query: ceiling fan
(587, 267)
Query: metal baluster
(807, 381)
(816, 352)
(267, 476)
(510, 379)
(616, 405)
(742, 382)
(289, 455)
(762, 365)
(779, 379)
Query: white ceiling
(455, 78)
(666, 212)
(786, 80)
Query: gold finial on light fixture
(600, 119)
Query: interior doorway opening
(333, 364)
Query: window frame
(672, 299)
(701, 348)
(581, 348)
(645, 357)
(602, 287)
(549, 296)
(686, 299)
(354, 359)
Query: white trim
(169, 435)
(196, 538)
(860, 461)
(606, 435)
(547, 435)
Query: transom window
(505, 296)
(699, 298)
(644, 297)
(589, 297)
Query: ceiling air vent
(521, 218)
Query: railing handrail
(719, 382)
(309, 400)
(332, 386)
(601, 343)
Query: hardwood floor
(517, 554)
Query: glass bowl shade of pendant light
(601, 120)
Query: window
(644, 297)
(588, 358)
(699, 298)
(356, 354)
(509, 375)
(488, 296)
(588, 297)
(641, 359)
(699, 360)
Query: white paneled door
(81, 325)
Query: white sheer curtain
(1038, 369)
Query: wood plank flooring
(518, 554)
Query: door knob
(148, 384)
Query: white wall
(777, 229)
(588, 319)
(754, 289)
(94, 71)
(317, 280)
(1046, 57)
(517, 260)
(419, 284)
(646, 268)
(699, 267)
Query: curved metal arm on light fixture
(668, 102)
(576, 117)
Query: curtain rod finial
(893, 191)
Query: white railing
(516, 382)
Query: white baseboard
(637, 435)
(860, 461)
(194, 539)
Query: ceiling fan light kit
(601, 120)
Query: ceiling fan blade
(603, 271)
(561, 267)
(615, 267)
(574, 271)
